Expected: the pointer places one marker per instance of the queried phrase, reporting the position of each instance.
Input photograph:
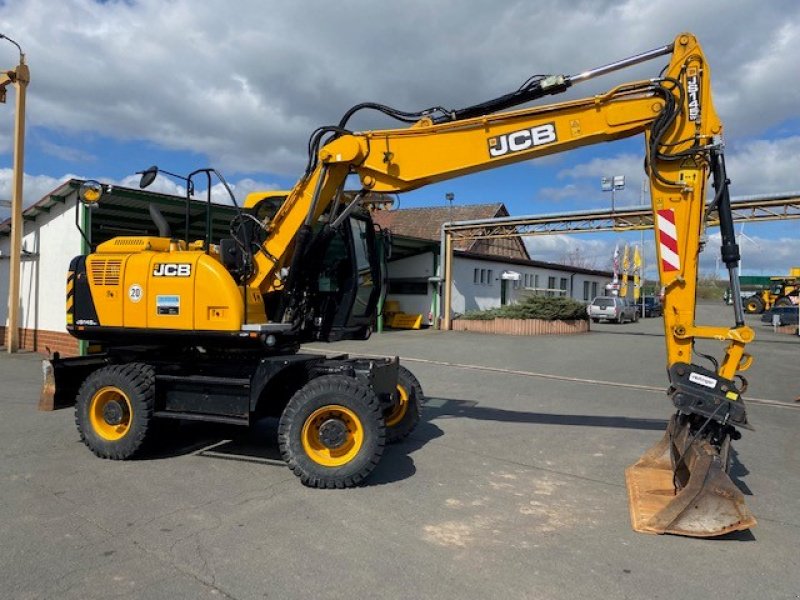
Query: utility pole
(19, 77)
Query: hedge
(534, 307)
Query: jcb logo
(172, 270)
(517, 141)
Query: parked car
(652, 306)
(611, 308)
(787, 315)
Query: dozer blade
(707, 504)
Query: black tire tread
(356, 396)
(414, 413)
(138, 382)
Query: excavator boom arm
(682, 133)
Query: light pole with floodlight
(612, 184)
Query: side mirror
(148, 176)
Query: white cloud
(764, 166)
(246, 84)
(760, 254)
(34, 187)
(758, 166)
(65, 153)
(592, 252)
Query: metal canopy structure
(745, 209)
(124, 211)
(771, 207)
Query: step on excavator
(211, 329)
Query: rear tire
(114, 410)
(332, 433)
(405, 414)
(595, 320)
(783, 301)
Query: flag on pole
(616, 264)
(637, 273)
(626, 266)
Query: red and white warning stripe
(668, 240)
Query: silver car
(611, 308)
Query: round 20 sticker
(135, 292)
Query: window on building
(476, 275)
(586, 291)
(594, 289)
(489, 277)
(536, 281)
(483, 276)
(551, 285)
(525, 279)
(563, 285)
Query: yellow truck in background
(783, 291)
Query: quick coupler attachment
(681, 485)
(698, 391)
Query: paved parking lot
(512, 487)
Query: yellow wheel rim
(101, 409)
(400, 409)
(353, 438)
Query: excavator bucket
(681, 486)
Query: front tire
(332, 433)
(754, 305)
(404, 415)
(114, 410)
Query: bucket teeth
(691, 496)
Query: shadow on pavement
(259, 444)
(451, 408)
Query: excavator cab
(344, 280)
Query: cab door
(350, 281)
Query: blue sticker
(168, 305)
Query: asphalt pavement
(511, 487)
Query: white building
(486, 273)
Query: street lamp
(611, 184)
(19, 77)
(450, 196)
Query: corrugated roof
(43, 205)
(124, 211)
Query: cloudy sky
(117, 86)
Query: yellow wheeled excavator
(210, 329)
